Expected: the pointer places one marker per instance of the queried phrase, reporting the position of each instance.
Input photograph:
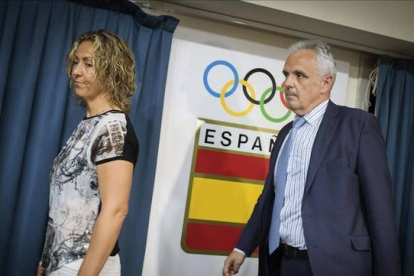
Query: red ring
(283, 99)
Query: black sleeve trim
(116, 158)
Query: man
(326, 206)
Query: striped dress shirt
(291, 229)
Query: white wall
(390, 18)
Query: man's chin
(291, 103)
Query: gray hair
(323, 54)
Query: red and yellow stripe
(224, 189)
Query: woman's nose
(76, 71)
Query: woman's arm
(114, 180)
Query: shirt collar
(316, 114)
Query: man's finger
(227, 268)
(236, 267)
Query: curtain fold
(395, 112)
(37, 115)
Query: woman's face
(83, 73)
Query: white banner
(214, 148)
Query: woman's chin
(79, 92)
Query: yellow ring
(224, 104)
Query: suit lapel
(268, 191)
(323, 137)
(273, 157)
(278, 144)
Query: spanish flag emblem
(227, 176)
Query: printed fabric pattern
(74, 194)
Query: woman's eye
(88, 65)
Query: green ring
(273, 120)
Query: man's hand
(233, 263)
(40, 271)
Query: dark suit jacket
(347, 207)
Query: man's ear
(327, 83)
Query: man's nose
(287, 83)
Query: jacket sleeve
(376, 188)
(249, 238)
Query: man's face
(304, 88)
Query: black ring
(272, 79)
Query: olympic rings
(224, 104)
(226, 91)
(272, 79)
(231, 67)
(262, 103)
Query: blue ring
(231, 67)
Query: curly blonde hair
(114, 64)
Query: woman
(91, 177)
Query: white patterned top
(74, 189)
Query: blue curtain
(37, 115)
(395, 112)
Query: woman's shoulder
(113, 116)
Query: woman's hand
(40, 271)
